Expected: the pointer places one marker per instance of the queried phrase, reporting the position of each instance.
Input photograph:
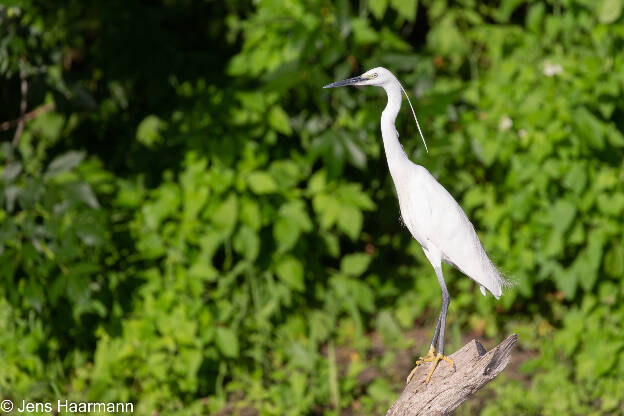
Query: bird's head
(380, 77)
(377, 77)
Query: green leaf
(378, 7)
(250, 214)
(362, 32)
(278, 119)
(11, 193)
(194, 202)
(576, 178)
(227, 342)
(65, 162)
(209, 242)
(388, 328)
(554, 244)
(405, 8)
(296, 212)
(85, 194)
(203, 269)
(290, 271)
(614, 136)
(129, 195)
(286, 232)
(286, 173)
(446, 39)
(226, 214)
(577, 234)
(34, 295)
(177, 324)
(148, 131)
(350, 221)
(363, 295)
(261, 183)
(247, 243)
(320, 324)
(567, 282)
(352, 194)
(614, 261)
(587, 264)
(562, 214)
(332, 244)
(356, 154)
(588, 368)
(327, 209)
(151, 246)
(506, 9)
(483, 144)
(379, 390)
(50, 125)
(535, 17)
(609, 11)
(589, 128)
(611, 204)
(11, 171)
(317, 182)
(302, 357)
(238, 65)
(355, 264)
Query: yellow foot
(431, 356)
(436, 360)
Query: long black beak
(344, 82)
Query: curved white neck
(394, 151)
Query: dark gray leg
(446, 299)
(436, 332)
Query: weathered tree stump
(448, 389)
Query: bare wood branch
(448, 389)
(23, 105)
(6, 125)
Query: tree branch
(23, 105)
(448, 389)
(6, 125)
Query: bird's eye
(375, 75)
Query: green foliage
(54, 249)
(189, 222)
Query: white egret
(430, 213)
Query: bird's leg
(446, 300)
(432, 349)
(436, 332)
(431, 354)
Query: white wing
(439, 224)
